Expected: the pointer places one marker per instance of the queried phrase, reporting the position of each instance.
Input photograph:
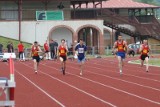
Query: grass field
(4, 41)
(152, 61)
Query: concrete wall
(33, 30)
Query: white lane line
(131, 94)
(132, 67)
(117, 78)
(131, 62)
(55, 100)
(149, 87)
(124, 73)
(91, 95)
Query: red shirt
(46, 47)
(20, 47)
(120, 47)
(34, 51)
(62, 51)
(145, 49)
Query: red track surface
(100, 86)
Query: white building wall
(32, 30)
(67, 35)
(9, 29)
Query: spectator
(55, 48)
(21, 51)
(10, 47)
(52, 50)
(1, 48)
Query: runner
(121, 48)
(35, 49)
(62, 54)
(144, 50)
(81, 53)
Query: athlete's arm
(39, 49)
(44, 47)
(85, 50)
(140, 49)
(58, 51)
(126, 47)
(76, 50)
(66, 49)
(150, 52)
(31, 51)
(114, 47)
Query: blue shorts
(81, 59)
(121, 54)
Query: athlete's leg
(82, 67)
(142, 61)
(120, 63)
(35, 65)
(64, 67)
(147, 65)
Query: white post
(36, 30)
(91, 36)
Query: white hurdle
(8, 86)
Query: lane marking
(131, 94)
(91, 95)
(55, 100)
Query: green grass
(153, 61)
(4, 41)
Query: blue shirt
(81, 50)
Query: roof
(121, 4)
(58, 0)
(71, 1)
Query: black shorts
(143, 57)
(37, 58)
(64, 58)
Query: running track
(100, 86)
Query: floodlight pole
(20, 17)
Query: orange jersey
(34, 51)
(62, 51)
(145, 49)
(120, 47)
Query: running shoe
(120, 72)
(80, 73)
(36, 72)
